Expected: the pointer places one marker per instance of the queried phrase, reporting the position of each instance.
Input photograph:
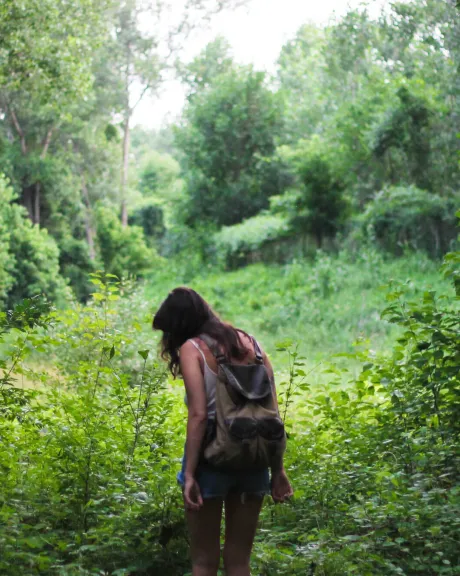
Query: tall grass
(325, 305)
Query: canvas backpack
(248, 432)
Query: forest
(316, 206)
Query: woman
(182, 318)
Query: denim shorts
(215, 483)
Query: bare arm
(279, 465)
(197, 406)
(281, 487)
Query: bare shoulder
(188, 350)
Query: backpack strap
(212, 345)
(257, 351)
(220, 358)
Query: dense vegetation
(316, 208)
(91, 442)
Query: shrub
(123, 250)
(402, 217)
(28, 254)
(316, 203)
(235, 244)
(375, 461)
(88, 460)
(87, 477)
(76, 266)
(150, 218)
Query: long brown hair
(184, 315)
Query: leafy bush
(88, 460)
(29, 256)
(87, 482)
(158, 175)
(375, 462)
(76, 266)
(150, 217)
(123, 250)
(402, 217)
(317, 204)
(235, 244)
(402, 139)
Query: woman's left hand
(281, 487)
(192, 494)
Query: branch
(187, 24)
(144, 91)
(18, 130)
(46, 143)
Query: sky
(256, 33)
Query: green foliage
(319, 206)
(213, 61)
(408, 217)
(376, 457)
(405, 129)
(325, 303)
(158, 174)
(7, 260)
(40, 54)
(228, 140)
(89, 486)
(235, 245)
(87, 482)
(36, 268)
(29, 256)
(123, 250)
(76, 265)
(150, 218)
(322, 200)
(91, 430)
(387, 83)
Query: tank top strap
(197, 346)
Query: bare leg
(240, 529)
(204, 528)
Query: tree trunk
(36, 218)
(27, 199)
(90, 233)
(124, 176)
(22, 137)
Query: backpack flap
(251, 381)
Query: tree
(405, 129)
(45, 71)
(146, 40)
(316, 204)
(301, 74)
(214, 60)
(227, 139)
(29, 256)
(158, 175)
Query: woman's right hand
(192, 494)
(281, 487)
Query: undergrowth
(88, 458)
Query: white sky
(256, 33)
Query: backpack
(248, 432)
